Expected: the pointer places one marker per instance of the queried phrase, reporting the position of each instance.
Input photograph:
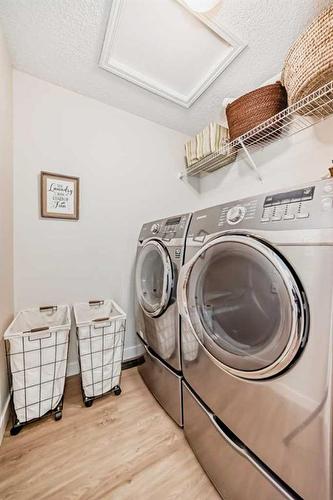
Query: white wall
(128, 169)
(301, 158)
(6, 219)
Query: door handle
(181, 291)
(96, 302)
(48, 308)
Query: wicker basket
(309, 63)
(253, 108)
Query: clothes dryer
(256, 295)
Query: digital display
(173, 222)
(296, 196)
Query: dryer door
(244, 306)
(154, 278)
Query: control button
(327, 203)
(155, 228)
(200, 237)
(235, 214)
(328, 188)
(303, 215)
(178, 252)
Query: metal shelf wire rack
(296, 118)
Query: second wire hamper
(100, 331)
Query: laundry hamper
(100, 331)
(36, 348)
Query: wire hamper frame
(101, 348)
(36, 365)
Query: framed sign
(59, 196)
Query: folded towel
(210, 140)
(191, 151)
(219, 135)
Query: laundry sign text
(59, 196)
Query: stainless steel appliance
(159, 258)
(256, 294)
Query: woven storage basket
(253, 108)
(309, 63)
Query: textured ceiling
(60, 41)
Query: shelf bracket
(251, 160)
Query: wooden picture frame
(59, 196)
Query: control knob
(235, 214)
(155, 228)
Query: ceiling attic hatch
(166, 49)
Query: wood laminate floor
(122, 447)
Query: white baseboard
(130, 352)
(4, 417)
(133, 351)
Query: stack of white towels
(211, 139)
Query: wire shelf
(300, 116)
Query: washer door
(154, 278)
(244, 306)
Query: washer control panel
(166, 230)
(171, 225)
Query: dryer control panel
(305, 207)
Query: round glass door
(244, 306)
(153, 278)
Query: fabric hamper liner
(100, 332)
(37, 359)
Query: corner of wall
(6, 219)
(4, 417)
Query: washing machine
(159, 259)
(255, 295)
